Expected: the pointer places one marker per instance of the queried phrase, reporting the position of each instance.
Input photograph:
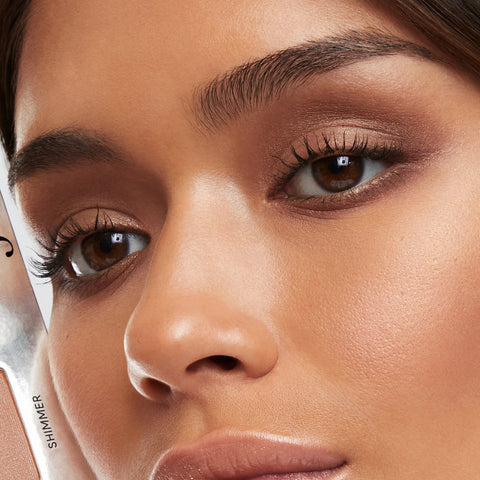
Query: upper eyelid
(92, 219)
(344, 136)
(321, 143)
(72, 229)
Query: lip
(247, 456)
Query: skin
(355, 327)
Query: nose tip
(194, 345)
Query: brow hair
(453, 26)
(245, 87)
(61, 149)
(223, 99)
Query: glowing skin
(350, 323)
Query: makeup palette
(23, 452)
(31, 438)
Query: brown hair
(453, 26)
(13, 17)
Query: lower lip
(323, 475)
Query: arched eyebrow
(252, 84)
(223, 99)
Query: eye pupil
(106, 245)
(102, 250)
(339, 173)
(336, 164)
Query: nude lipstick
(247, 456)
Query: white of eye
(303, 183)
(130, 242)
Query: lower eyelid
(374, 189)
(103, 280)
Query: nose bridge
(210, 238)
(202, 310)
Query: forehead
(110, 64)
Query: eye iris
(101, 250)
(336, 174)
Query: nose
(201, 320)
(194, 343)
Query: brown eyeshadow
(16, 457)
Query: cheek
(401, 308)
(387, 306)
(411, 352)
(417, 303)
(88, 367)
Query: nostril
(220, 362)
(224, 362)
(154, 388)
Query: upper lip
(244, 455)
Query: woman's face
(286, 247)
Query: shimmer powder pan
(16, 455)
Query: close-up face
(261, 224)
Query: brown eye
(101, 250)
(104, 249)
(336, 174)
(333, 175)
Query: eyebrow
(223, 99)
(247, 86)
(60, 149)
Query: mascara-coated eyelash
(49, 264)
(330, 170)
(64, 261)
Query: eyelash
(330, 146)
(51, 265)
